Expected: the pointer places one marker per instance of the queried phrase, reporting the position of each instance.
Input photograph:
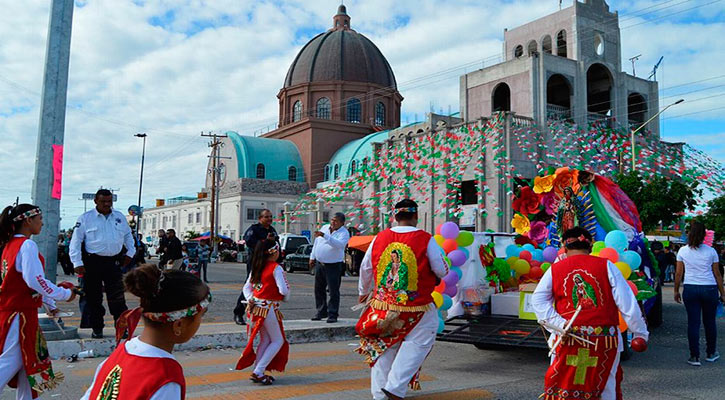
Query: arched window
(380, 114)
(365, 161)
(327, 173)
(546, 44)
(501, 98)
(598, 44)
(561, 43)
(532, 48)
(337, 171)
(260, 171)
(354, 109)
(518, 51)
(292, 174)
(353, 167)
(323, 108)
(297, 111)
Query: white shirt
(279, 277)
(543, 303)
(27, 262)
(330, 248)
(104, 235)
(434, 254)
(698, 264)
(170, 391)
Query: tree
(661, 200)
(714, 218)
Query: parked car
(289, 243)
(299, 260)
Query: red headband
(581, 238)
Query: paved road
(225, 281)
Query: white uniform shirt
(280, 278)
(434, 254)
(28, 264)
(698, 264)
(543, 303)
(330, 248)
(170, 391)
(104, 235)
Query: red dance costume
(17, 299)
(267, 298)
(580, 370)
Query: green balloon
(545, 266)
(464, 239)
(598, 246)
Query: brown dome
(340, 54)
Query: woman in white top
(698, 263)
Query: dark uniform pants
(103, 273)
(327, 277)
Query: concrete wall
(477, 87)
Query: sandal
(264, 379)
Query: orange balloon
(610, 254)
(441, 287)
(449, 245)
(622, 324)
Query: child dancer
(266, 287)
(172, 304)
(24, 362)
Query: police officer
(101, 245)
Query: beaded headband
(28, 214)
(406, 210)
(273, 249)
(581, 238)
(171, 316)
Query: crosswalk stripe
(232, 376)
(466, 394)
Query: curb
(345, 330)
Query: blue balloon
(457, 271)
(530, 247)
(441, 325)
(632, 258)
(447, 302)
(616, 240)
(465, 250)
(538, 255)
(512, 250)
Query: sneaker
(332, 320)
(694, 361)
(97, 335)
(239, 320)
(318, 317)
(713, 357)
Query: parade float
(490, 306)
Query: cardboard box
(526, 310)
(506, 303)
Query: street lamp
(140, 182)
(634, 158)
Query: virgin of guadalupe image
(396, 272)
(583, 293)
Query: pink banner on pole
(57, 171)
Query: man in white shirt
(328, 259)
(101, 245)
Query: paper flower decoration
(544, 184)
(521, 224)
(548, 200)
(528, 202)
(566, 177)
(538, 231)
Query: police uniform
(99, 244)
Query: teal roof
(357, 151)
(276, 155)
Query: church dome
(340, 54)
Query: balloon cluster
(615, 249)
(453, 241)
(528, 263)
(709, 237)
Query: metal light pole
(634, 150)
(140, 182)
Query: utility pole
(140, 183)
(46, 191)
(215, 145)
(633, 60)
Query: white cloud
(174, 68)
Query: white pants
(11, 363)
(396, 367)
(610, 389)
(270, 341)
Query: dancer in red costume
(266, 287)
(172, 304)
(595, 287)
(25, 362)
(398, 328)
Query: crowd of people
(396, 332)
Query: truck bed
(494, 330)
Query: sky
(173, 69)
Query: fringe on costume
(381, 305)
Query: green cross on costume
(581, 361)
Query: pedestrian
(398, 328)
(63, 257)
(172, 305)
(266, 287)
(699, 265)
(24, 362)
(203, 258)
(254, 234)
(185, 258)
(163, 241)
(101, 246)
(328, 260)
(174, 251)
(593, 288)
(659, 251)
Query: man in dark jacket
(172, 252)
(254, 234)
